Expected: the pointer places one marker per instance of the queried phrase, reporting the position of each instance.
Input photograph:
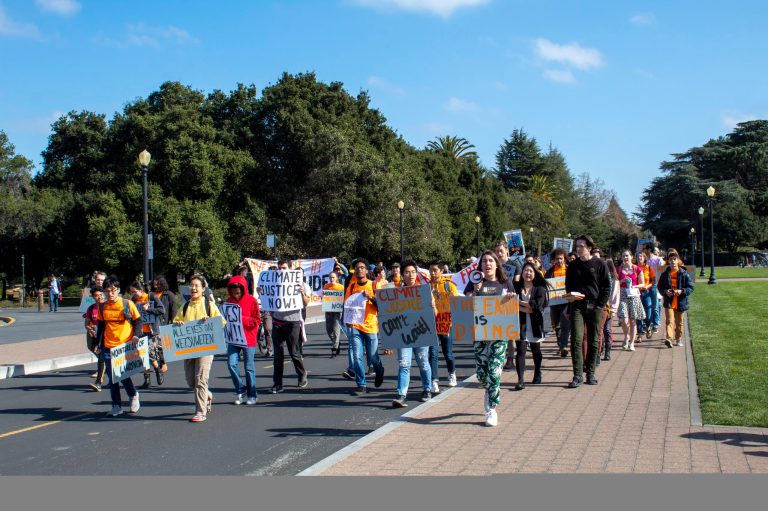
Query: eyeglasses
(361, 268)
(410, 272)
(112, 290)
(195, 286)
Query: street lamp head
(531, 229)
(701, 211)
(400, 204)
(711, 191)
(693, 230)
(477, 219)
(144, 158)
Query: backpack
(207, 308)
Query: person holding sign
(587, 287)
(197, 370)
(532, 291)
(119, 322)
(91, 321)
(442, 289)
(404, 355)
(513, 268)
(361, 317)
(151, 310)
(250, 317)
(559, 313)
(333, 317)
(490, 355)
(675, 285)
(286, 328)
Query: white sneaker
(116, 410)
(435, 388)
(240, 399)
(251, 401)
(135, 405)
(626, 345)
(486, 403)
(679, 343)
(631, 347)
(491, 418)
(452, 380)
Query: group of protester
(595, 290)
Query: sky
(616, 87)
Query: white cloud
(731, 119)
(570, 54)
(442, 8)
(63, 7)
(437, 128)
(10, 28)
(459, 106)
(643, 19)
(559, 75)
(380, 83)
(141, 34)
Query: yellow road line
(44, 425)
(7, 321)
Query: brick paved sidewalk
(638, 419)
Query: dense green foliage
(306, 160)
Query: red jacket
(250, 308)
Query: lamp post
(400, 206)
(711, 200)
(23, 281)
(532, 243)
(144, 159)
(477, 224)
(693, 247)
(701, 217)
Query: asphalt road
(31, 325)
(53, 424)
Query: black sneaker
(575, 383)
(303, 383)
(360, 391)
(370, 372)
(563, 352)
(591, 380)
(348, 375)
(536, 378)
(425, 396)
(379, 378)
(399, 402)
(275, 389)
(520, 386)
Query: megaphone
(476, 277)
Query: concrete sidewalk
(640, 418)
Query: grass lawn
(734, 272)
(729, 334)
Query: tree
(455, 147)
(518, 159)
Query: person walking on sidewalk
(119, 322)
(404, 355)
(363, 333)
(333, 319)
(286, 328)
(151, 309)
(443, 289)
(675, 285)
(532, 293)
(630, 308)
(610, 309)
(490, 355)
(648, 288)
(54, 293)
(655, 261)
(250, 315)
(91, 317)
(512, 268)
(197, 370)
(559, 313)
(587, 287)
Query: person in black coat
(532, 292)
(675, 285)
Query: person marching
(333, 319)
(647, 289)
(675, 285)
(630, 307)
(610, 309)
(442, 290)
(91, 317)
(286, 328)
(559, 313)
(532, 292)
(250, 315)
(119, 322)
(490, 355)
(169, 303)
(197, 370)
(153, 310)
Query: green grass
(734, 272)
(728, 332)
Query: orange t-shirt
(673, 278)
(370, 324)
(333, 287)
(396, 279)
(442, 298)
(118, 329)
(146, 328)
(649, 274)
(559, 271)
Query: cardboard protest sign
(186, 295)
(485, 318)
(315, 273)
(354, 309)
(234, 333)
(442, 300)
(557, 291)
(564, 243)
(146, 317)
(406, 317)
(514, 239)
(86, 300)
(461, 278)
(641, 243)
(280, 290)
(333, 301)
(129, 358)
(193, 339)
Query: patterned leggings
(489, 362)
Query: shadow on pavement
(743, 440)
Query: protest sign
(333, 301)
(234, 333)
(514, 239)
(442, 299)
(461, 277)
(354, 309)
(146, 317)
(280, 290)
(641, 243)
(406, 317)
(564, 243)
(129, 358)
(193, 339)
(485, 318)
(557, 291)
(86, 300)
(315, 273)
(186, 295)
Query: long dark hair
(612, 268)
(501, 275)
(538, 281)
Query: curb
(41, 366)
(693, 388)
(6, 321)
(324, 464)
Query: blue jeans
(356, 340)
(446, 345)
(53, 302)
(250, 369)
(114, 387)
(404, 374)
(655, 307)
(645, 299)
(350, 359)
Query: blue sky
(615, 86)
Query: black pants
(585, 316)
(522, 348)
(289, 333)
